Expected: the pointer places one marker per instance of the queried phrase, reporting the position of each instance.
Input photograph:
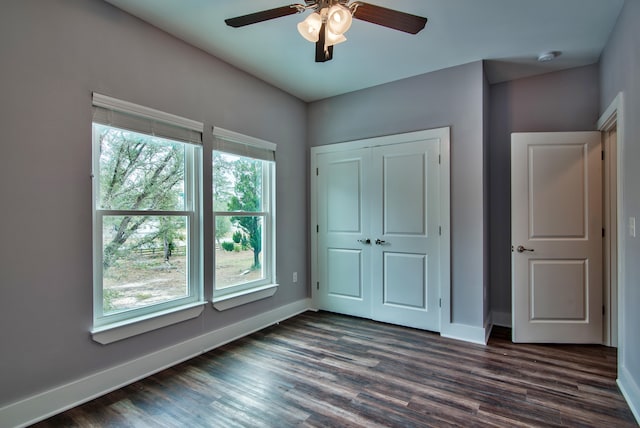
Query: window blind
(137, 118)
(243, 145)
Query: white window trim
(119, 327)
(134, 326)
(241, 294)
(243, 297)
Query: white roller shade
(243, 145)
(137, 118)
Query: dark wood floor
(322, 369)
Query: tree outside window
(144, 219)
(240, 190)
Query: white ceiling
(508, 33)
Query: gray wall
(451, 97)
(54, 54)
(486, 192)
(620, 71)
(553, 102)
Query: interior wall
(54, 54)
(486, 191)
(451, 97)
(620, 71)
(554, 102)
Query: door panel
(406, 280)
(344, 201)
(558, 290)
(556, 233)
(558, 192)
(344, 273)
(405, 277)
(343, 222)
(404, 187)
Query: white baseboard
(465, 333)
(56, 400)
(630, 390)
(502, 319)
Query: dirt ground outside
(147, 280)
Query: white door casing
(391, 189)
(556, 197)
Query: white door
(378, 247)
(404, 229)
(556, 232)
(343, 224)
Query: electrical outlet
(632, 227)
(295, 277)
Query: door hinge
(317, 228)
(603, 310)
(603, 155)
(317, 172)
(440, 302)
(318, 285)
(440, 230)
(439, 159)
(603, 232)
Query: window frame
(232, 143)
(181, 131)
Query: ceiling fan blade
(389, 18)
(322, 54)
(265, 15)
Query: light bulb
(333, 38)
(310, 27)
(339, 19)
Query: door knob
(522, 249)
(380, 242)
(365, 241)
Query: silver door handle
(522, 249)
(365, 241)
(380, 242)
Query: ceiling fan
(331, 19)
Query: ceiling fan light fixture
(330, 20)
(333, 39)
(310, 27)
(339, 19)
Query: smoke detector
(549, 56)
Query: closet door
(380, 212)
(405, 234)
(343, 217)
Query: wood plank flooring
(323, 369)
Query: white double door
(378, 233)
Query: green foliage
(248, 197)
(223, 226)
(237, 237)
(227, 245)
(222, 191)
(108, 296)
(139, 172)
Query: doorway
(611, 124)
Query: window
(146, 195)
(243, 178)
